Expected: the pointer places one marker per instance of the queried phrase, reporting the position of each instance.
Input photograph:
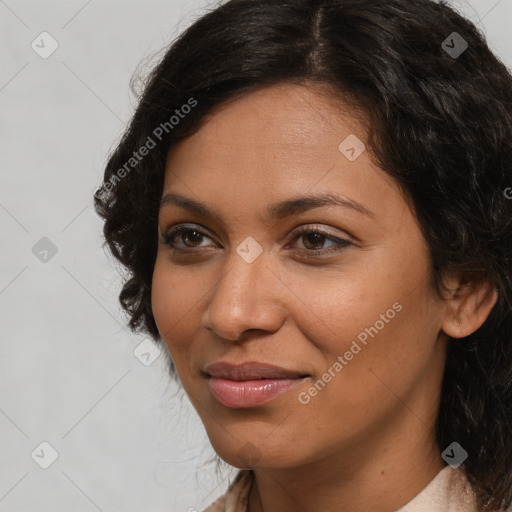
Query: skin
(371, 428)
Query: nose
(248, 296)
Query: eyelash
(172, 233)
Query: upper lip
(250, 371)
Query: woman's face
(345, 306)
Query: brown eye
(313, 239)
(191, 237)
(184, 237)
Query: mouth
(250, 384)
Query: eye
(183, 237)
(189, 236)
(314, 239)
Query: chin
(252, 455)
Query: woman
(313, 202)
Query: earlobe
(468, 307)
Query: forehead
(272, 144)
(280, 118)
(271, 130)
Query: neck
(353, 479)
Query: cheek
(335, 308)
(172, 301)
(383, 323)
(386, 352)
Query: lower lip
(249, 393)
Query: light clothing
(448, 491)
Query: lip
(250, 370)
(250, 384)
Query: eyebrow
(287, 208)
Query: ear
(468, 305)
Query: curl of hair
(441, 126)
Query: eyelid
(325, 230)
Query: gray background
(126, 438)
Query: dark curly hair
(439, 122)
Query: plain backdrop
(79, 394)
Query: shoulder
(449, 491)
